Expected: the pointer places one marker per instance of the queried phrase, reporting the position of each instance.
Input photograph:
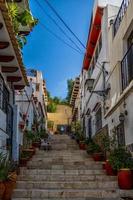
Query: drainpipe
(104, 85)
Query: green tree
(70, 83)
(52, 107)
(57, 100)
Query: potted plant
(2, 176)
(97, 154)
(109, 169)
(82, 144)
(36, 141)
(10, 182)
(95, 150)
(108, 143)
(21, 125)
(122, 161)
(8, 177)
(105, 142)
(24, 158)
(24, 116)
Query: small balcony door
(121, 134)
(90, 127)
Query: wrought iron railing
(7, 109)
(9, 121)
(120, 15)
(127, 68)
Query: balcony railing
(120, 15)
(7, 109)
(127, 68)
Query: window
(90, 127)
(121, 134)
(4, 96)
(37, 87)
(1, 93)
(98, 118)
(5, 99)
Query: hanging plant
(21, 19)
(13, 12)
(21, 40)
(26, 18)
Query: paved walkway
(66, 172)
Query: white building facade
(96, 69)
(12, 78)
(31, 105)
(120, 112)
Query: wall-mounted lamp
(121, 117)
(89, 85)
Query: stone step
(63, 152)
(66, 193)
(89, 198)
(67, 185)
(56, 177)
(66, 159)
(64, 147)
(62, 167)
(62, 172)
(63, 141)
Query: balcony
(120, 15)
(127, 68)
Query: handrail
(120, 15)
(127, 52)
(126, 64)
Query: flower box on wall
(24, 116)
(21, 125)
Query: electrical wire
(54, 21)
(61, 19)
(59, 38)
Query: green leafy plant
(25, 155)
(50, 124)
(6, 167)
(13, 12)
(121, 158)
(88, 141)
(93, 148)
(24, 18)
(81, 137)
(52, 107)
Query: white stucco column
(15, 150)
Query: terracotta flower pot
(104, 163)
(125, 180)
(2, 189)
(24, 116)
(36, 144)
(77, 140)
(23, 162)
(109, 170)
(97, 156)
(9, 187)
(21, 125)
(33, 150)
(82, 146)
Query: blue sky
(44, 52)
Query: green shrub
(121, 158)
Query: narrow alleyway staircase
(65, 172)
